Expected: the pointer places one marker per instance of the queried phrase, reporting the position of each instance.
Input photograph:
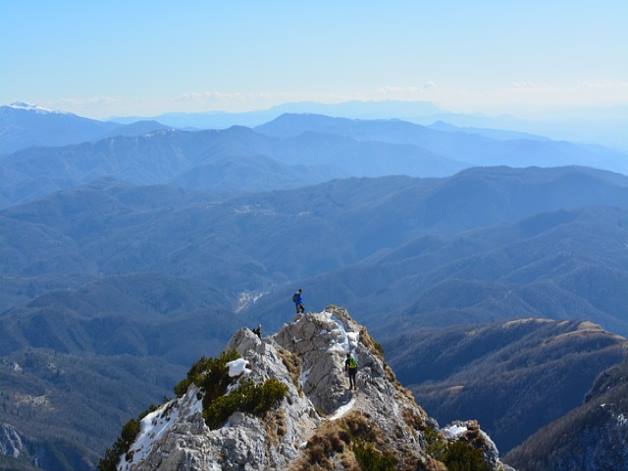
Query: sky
(106, 58)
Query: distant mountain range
(593, 126)
(350, 109)
(463, 145)
(483, 245)
(87, 229)
(288, 152)
(23, 125)
(587, 125)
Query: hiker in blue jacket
(297, 299)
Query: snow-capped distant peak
(19, 105)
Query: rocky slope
(592, 437)
(318, 424)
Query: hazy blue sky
(145, 57)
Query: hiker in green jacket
(351, 367)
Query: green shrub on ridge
(371, 459)
(129, 433)
(252, 398)
(461, 456)
(209, 374)
(458, 456)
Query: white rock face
(11, 443)
(308, 356)
(176, 437)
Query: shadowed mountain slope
(592, 437)
(62, 408)
(515, 377)
(235, 160)
(565, 264)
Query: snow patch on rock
(454, 432)
(342, 410)
(157, 423)
(305, 373)
(19, 105)
(238, 367)
(348, 340)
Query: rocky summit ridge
(317, 423)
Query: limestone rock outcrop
(319, 424)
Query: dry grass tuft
(413, 420)
(292, 364)
(330, 446)
(371, 344)
(275, 426)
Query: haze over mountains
(290, 151)
(602, 125)
(350, 109)
(131, 251)
(476, 149)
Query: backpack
(353, 363)
(295, 298)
